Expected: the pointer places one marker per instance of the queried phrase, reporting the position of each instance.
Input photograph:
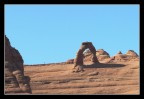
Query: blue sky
(54, 33)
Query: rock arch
(78, 61)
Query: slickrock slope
(110, 75)
(15, 81)
(103, 78)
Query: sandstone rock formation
(15, 81)
(119, 52)
(129, 56)
(120, 56)
(101, 54)
(78, 61)
(70, 61)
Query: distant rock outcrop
(119, 52)
(120, 56)
(101, 52)
(101, 55)
(70, 61)
(131, 54)
(15, 81)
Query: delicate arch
(79, 56)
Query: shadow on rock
(102, 65)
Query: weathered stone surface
(93, 73)
(101, 55)
(131, 54)
(78, 61)
(15, 81)
(101, 52)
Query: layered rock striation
(15, 80)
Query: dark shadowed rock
(15, 81)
